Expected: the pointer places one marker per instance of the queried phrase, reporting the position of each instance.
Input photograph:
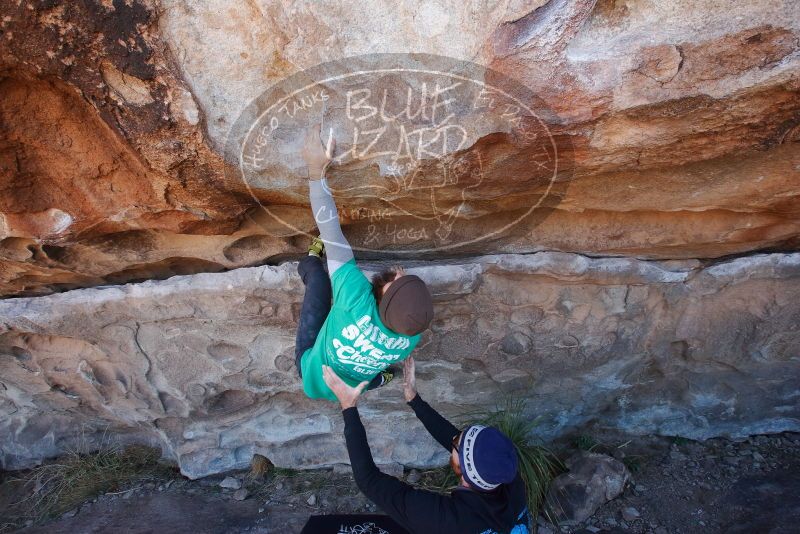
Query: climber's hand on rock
(410, 384)
(316, 154)
(347, 395)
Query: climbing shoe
(382, 378)
(386, 377)
(317, 248)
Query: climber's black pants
(315, 309)
(316, 305)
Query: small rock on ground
(231, 483)
(630, 514)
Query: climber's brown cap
(406, 307)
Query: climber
(369, 325)
(491, 497)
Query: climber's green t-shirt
(353, 340)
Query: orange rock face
(680, 121)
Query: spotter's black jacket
(464, 511)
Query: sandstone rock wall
(657, 293)
(203, 365)
(683, 117)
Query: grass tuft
(55, 488)
(633, 463)
(586, 443)
(297, 482)
(439, 480)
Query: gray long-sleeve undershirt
(337, 249)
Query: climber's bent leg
(316, 305)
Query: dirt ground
(717, 486)
(678, 486)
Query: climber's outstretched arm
(337, 249)
(318, 157)
(440, 428)
(419, 510)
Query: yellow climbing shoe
(317, 247)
